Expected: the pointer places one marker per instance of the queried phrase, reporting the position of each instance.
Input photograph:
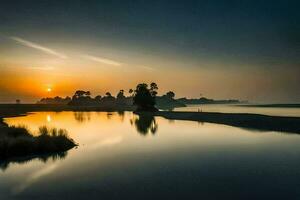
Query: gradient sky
(248, 50)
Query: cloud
(147, 68)
(42, 68)
(102, 60)
(38, 47)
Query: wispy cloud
(38, 47)
(147, 68)
(42, 68)
(102, 60)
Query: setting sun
(49, 89)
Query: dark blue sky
(260, 31)
(261, 34)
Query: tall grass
(18, 141)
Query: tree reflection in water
(109, 115)
(82, 116)
(145, 123)
(121, 115)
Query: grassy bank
(249, 121)
(19, 142)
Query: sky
(225, 49)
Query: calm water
(122, 156)
(230, 108)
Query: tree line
(143, 97)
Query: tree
(68, 98)
(153, 89)
(81, 98)
(120, 95)
(81, 93)
(130, 91)
(170, 94)
(144, 97)
(108, 98)
(87, 93)
(98, 98)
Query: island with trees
(143, 96)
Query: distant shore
(295, 105)
(249, 121)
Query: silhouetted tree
(108, 98)
(153, 89)
(130, 91)
(55, 100)
(81, 93)
(144, 97)
(120, 97)
(170, 94)
(98, 98)
(81, 98)
(67, 99)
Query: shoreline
(243, 120)
(292, 105)
(17, 144)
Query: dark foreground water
(122, 156)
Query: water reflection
(191, 159)
(48, 118)
(4, 165)
(144, 124)
(82, 116)
(109, 115)
(121, 115)
(34, 177)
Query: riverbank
(272, 105)
(249, 121)
(18, 142)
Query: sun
(49, 89)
